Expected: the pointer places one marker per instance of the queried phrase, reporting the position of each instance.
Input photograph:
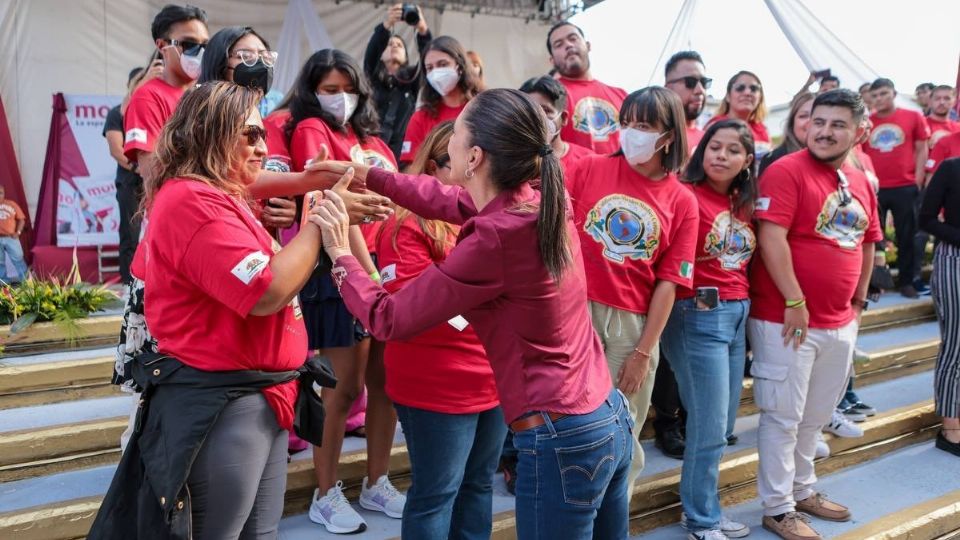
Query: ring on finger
(366, 220)
(798, 332)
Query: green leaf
(23, 322)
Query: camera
(410, 14)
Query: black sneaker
(947, 446)
(509, 466)
(732, 440)
(671, 443)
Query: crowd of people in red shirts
(551, 262)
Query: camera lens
(410, 15)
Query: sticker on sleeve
(405, 149)
(459, 323)
(930, 164)
(250, 267)
(388, 274)
(686, 269)
(136, 135)
(763, 203)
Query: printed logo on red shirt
(596, 116)
(731, 241)
(250, 267)
(844, 224)
(886, 137)
(136, 135)
(388, 273)
(626, 227)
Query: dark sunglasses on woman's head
(189, 48)
(254, 134)
(755, 88)
(843, 189)
(691, 82)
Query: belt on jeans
(532, 421)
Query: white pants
(796, 391)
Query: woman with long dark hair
(745, 101)
(449, 83)
(440, 382)
(705, 337)
(395, 81)
(637, 225)
(331, 113)
(516, 276)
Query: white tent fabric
(300, 24)
(89, 46)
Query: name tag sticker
(459, 323)
(405, 149)
(388, 274)
(763, 203)
(136, 135)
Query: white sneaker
(709, 534)
(334, 512)
(841, 427)
(383, 497)
(729, 527)
(823, 449)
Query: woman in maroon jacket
(516, 276)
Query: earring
(469, 173)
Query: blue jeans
(453, 458)
(10, 247)
(572, 475)
(706, 350)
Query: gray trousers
(239, 477)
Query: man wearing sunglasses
(685, 76)
(180, 35)
(818, 223)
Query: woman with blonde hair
(440, 381)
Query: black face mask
(258, 75)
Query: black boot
(671, 442)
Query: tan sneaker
(818, 505)
(793, 526)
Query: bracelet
(375, 276)
(643, 353)
(792, 304)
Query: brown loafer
(823, 508)
(793, 526)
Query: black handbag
(882, 279)
(309, 413)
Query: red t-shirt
(948, 147)
(420, 125)
(939, 130)
(725, 245)
(10, 212)
(891, 146)
(278, 153)
(444, 369)
(761, 137)
(634, 231)
(800, 193)
(205, 261)
(575, 153)
(594, 112)
(312, 133)
(149, 109)
(694, 136)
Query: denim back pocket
(586, 470)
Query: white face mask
(638, 146)
(443, 79)
(341, 105)
(552, 129)
(191, 65)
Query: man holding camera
(814, 211)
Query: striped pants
(946, 297)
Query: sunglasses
(755, 88)
(843, 189)
(691, 82)
(250, 57)
(254, 134)
(189, 48)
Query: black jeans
(666, 399)
(920, 240)
(901, 201)
(128, 197)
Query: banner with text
(87, 210)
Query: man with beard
(593, 107)
(684, 75)
(942, 100)
(815, 211)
